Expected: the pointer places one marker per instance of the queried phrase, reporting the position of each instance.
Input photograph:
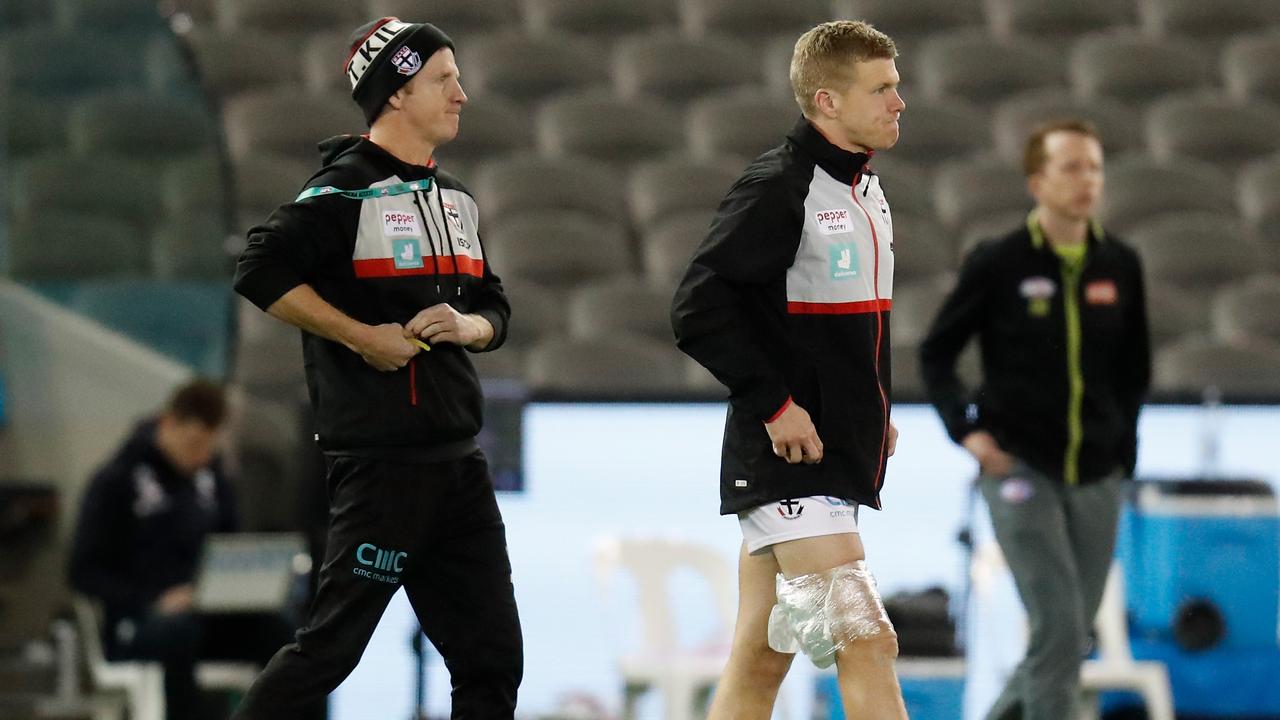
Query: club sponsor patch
(1101, 292)
(1037, 288)
(844, 261)
(1016, 491)
(408, 253)
(833, 222)
(400, 223)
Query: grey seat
(676, 70)
(622, 306)
(1209, 22)
(1174, 250)
(233, 62)
(461, 19)
(602, 127)
(967, 191)
(1138, 189)
(1173, 313)
(1259, 194)
(934, 132)
(598, 17)
(907, 185)
(263, 181)
(42, 126)
(1135, 68)
(908, 20)
(539, 311)
(119, 17)
(1212, 128)
(322, 69)
(1251, 66)
(558, 249)
(921, 248)
(109, 186)
(1019, 114)
(491, 127)
(528, 68)
(621, 367)
(975, 67)
(287, 121)
(752, 19)
(193, 247)
(991, 226)
(742, 124)
(510, 187)
(266, 438)
(1248, 309)
(666, 249)
(75, 246)
(297, 17)
(140, 126)
(665, 188)
(1054, 20)
(1246, 370)
(47, 63)
(915, 305)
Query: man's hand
(175, 600)
(794, 437)
(385, 347)
(443, 324)
(984, 448)
(893, 440)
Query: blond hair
(825, 57)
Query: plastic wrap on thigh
(820, 614)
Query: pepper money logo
(390, 563)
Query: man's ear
(396, 101)
(826, 102)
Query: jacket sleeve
(958, 320)
(752, 242)
(490, 302)
(286, 250)
(100, 540)
(1135, 358)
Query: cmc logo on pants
(389, 561)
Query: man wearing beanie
(379, 261)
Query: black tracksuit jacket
(1066, 359)
(788, 298)
(382, 259)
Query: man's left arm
(1135, 370)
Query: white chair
(682, 675)
(1115, 668)
(143, 682)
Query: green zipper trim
(1071, 273)
(384, 191)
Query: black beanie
(384, 55)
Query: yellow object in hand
(420, 344)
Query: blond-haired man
(787, 303)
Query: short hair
(824, 54)
(1034, 155)
(199, 400)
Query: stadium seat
(992, 226)
(1173, 313)
(599, 126)
(33, 124)
(1212, 128)
(936, 131)
(460, 19)
(618, 366)
(1055, 20)
(607, 309)
(107, 185)
(45, 62)
(751, 20)
(73, 246)
(197, 12)
(1259, 193)
(921, 248)
(908, 20)
(288, 121)
(263, 181)
(1196, 251)
(666, 248)
(491, 127)
(907, 185)
(678, 70)
(510, 187)
(265, 439)
(290, 17)
(969, 190)
(978, 68)
(664, 188)
(145, 127)
(189, 322)
(199, 184)
(234, 62)
(192, 248)
(915, 305)
(1248, 309)
(558, 249)
(1211, 22)
(528, 69)
(541, 311)
(170, 71)
(116, 17)
(1138, 189)
(1019, 114)
(1239, 371)
(1251, 67)
(741, 124)
(1135, 68)
(322, 69)
(599, 17)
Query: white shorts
(797, 518)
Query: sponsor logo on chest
(400, 223)
(833, 222)
(1101, 292)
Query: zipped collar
(1038, 241)
(840, 164)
